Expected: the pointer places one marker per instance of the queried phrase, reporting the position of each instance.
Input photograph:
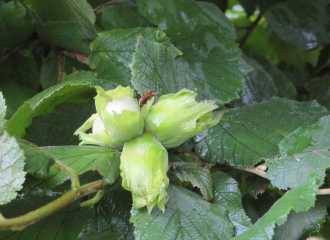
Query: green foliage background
(267, 65)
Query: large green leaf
(154, 68)
(111, 219)
(298, 199)
(227, 195)
(204, 35)
(82, 158)
(304, 151)
(44, 102)
(197, 176)
(65, 224)
(187, 216)
(303, 24)
(57, 128)
(67, 35)
(122, 16)
(70, 11)
(15, 30)
(320, 89)
(112, 52)
(11, 161)
(246, 134)
(300, 224)
(264, 82)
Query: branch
(324, 191)
(11, 52)
(18, 223)
(104, 5)
(254, 170)
(92, 201)
(249, 30)
(60, 69)
(80, 57)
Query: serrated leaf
(122, 16)
(57, 128)
(309, 20)
(82, 158)
(112, 52)
(44, 102)
(210, 56)
(65, 224)
(37, 162)
(299, 225)
(171, 15)
(11, 168)
(264, 82)
(187, 216)
(246, 134)
(320, 89)
(3, 109)
(304, 151)
(299, 199)
(197, 176)
(154, 68)
(228, 195)
(111, 219)
(14, 28)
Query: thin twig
(72, 174)
(18, 223)
(254, 170)
(92, 201)
(324, 191)
(11, 52)
(249, 30)
(104, 5)
(80, 57)
(60, 68)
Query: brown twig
(11, 52)
(60, 68)
(104, 5)
(249, 30)
(80, 57)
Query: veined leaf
(82, 158)
(309, 20)
(11, 161)
(44, 102)
(228, 195)
(299, 199)
(154, 68)
(111, 219)
(112, 51)
(299, 225)
(246, 134)
(197, 176)
(205, 37)
(187, 216)
(304, 151)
